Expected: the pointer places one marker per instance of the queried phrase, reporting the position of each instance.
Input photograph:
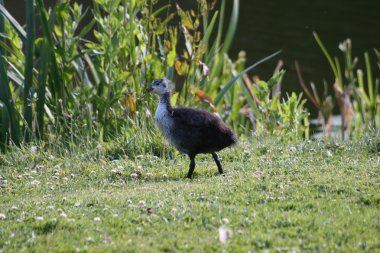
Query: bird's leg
(192, 166)
(216, 159)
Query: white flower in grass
(33, 149)
(134, 176)
(35, 182)
(97, 219)
(142, 203)
(78, 204)
(328, 153)
(149, 175)
(2, 216)
(292, 149)
(39, 218)
(224, 234)
(63, 214)
(165, 176)
(225, 221)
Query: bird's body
(191, 131)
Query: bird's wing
(194, 118)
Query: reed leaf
(4, 126)
(329, 58)
(29, 62)
(42, 77)
(232, 81)
(231, 27)
(5, 94)
(56, 85)
(13, 21)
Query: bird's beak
(149, 89)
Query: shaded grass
(310, 196)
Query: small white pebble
(97, 219)
(39, 218)
(224, 234)
(2, 216)
(328, 153)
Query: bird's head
(160, 86)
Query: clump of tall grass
(61, 87)
(356, 92)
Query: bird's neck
(165, 101)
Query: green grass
(306, 197)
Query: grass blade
(231, 83)
(4, 126)
(42, 89)
(232, 26)
(29, 62)
(329, 58)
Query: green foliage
(68, 87)
(287, 118)
(358, 97)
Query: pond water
(267, 26)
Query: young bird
(191, 131)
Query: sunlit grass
(307, 196)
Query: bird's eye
(157, 84)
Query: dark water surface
(266, 26)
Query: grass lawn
(277, 197)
